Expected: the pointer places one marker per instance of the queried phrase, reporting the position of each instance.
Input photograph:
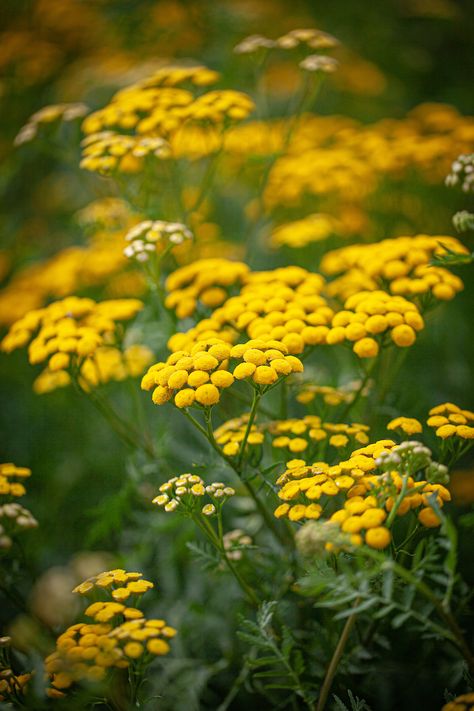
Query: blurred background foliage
(395, 55)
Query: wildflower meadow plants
(283, 528)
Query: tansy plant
(317, 503)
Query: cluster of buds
(462, 173)
(410, 458)
(312, 38)
(319, 63)
(151, 236)
(48, 115)
(13, 519)
(235, 542)
(185, 492)
(317, 537)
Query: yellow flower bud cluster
(141, 638)
(332, 397)
(464, 702)
(12, 686)
(282, 304)
(205, 281)
(402, 265)
(298, 435)
(175, 75)
(71, 330)
(450, 422)
(98, 263)
(108, 364)
(112, 580)
(8, 473)
(106, 151)
(365, 496)
(48, 115)
(300, 233)
(87, 652)
(231, 434)
(406, 425)
(186, 490)
(193, 377)
(200, 374)
(369, 316)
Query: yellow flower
(378, 537)
(366, 348)
(408, 425)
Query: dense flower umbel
(205, 281)
(283, 304)
(185, 492)
(9, 473)
(298, 435)
(369, 317)
(374, 481)
(307, 393)
(112, 580)
(300, 233)
(231, 434)
(119, 635)
(401, 264)
(406, 425)
(77, 332)
(450, 421)
(106, 151)
(196, 377)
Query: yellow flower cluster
(365, 497)
(70, 332)
(464, 702)
(282, 304)
(402, 265)
(118, 636)
(231, 434)
(407, 425)
(450, 421)
(331, 156)
(108, 364)
(107, 151)
(297, 435)
(204, 282)
(48, 115)
(8, 474)
(155, 110)
(98, 263)
(176, 75)
(300, 233)
(369, 316)
(332, 397)
(12, 685)
(184, 491)
(113, 580)
(200, 374)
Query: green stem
(252, 415)
(334, 663)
